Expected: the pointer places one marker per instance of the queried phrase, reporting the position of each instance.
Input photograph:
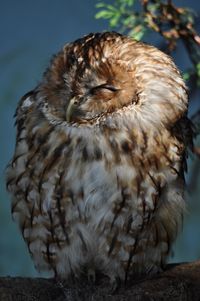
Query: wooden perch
(177, 282)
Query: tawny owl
(97, 175)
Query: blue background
(30, 32)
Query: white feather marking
(27, 103)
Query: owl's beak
(71, 108)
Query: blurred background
(30, 32)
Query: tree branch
(177, 282)
(180, 22)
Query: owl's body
(97, 175)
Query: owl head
(103, 75)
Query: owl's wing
(16, 168)
(184, 130)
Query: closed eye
(104, 86)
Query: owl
(97, 175)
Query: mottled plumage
(97, 175)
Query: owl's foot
(91, 274)
(69, 294)
(153, 270)
(61, 286)
(115, 283)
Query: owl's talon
(115, 284)
(66, 292)
(91, 275)
(59, 284)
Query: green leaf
(126, 2)
(115, 20)
(186, 76)
(137, 32)
(100, 5)
(198, 69)
(198, 74)
(129, 21)
(130, 2)
(105, 14)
